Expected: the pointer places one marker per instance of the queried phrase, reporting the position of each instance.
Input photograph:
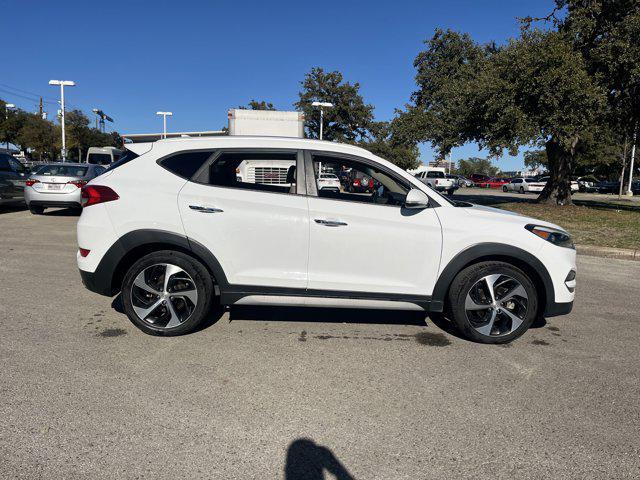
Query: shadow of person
(308, 461)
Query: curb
(608, 252)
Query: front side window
(255, 170)
(356, 182)
(186, 164)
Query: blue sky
(199, 58)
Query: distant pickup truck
(437, 179)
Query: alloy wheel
(496, 305)
(164, 295)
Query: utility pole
(322, 105)
(40, 108)
(633, 157)
(62, 83)
(7, 107)
(164, 122)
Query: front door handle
(330, 223)
(201, 209)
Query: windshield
(63, 170)
(100, 158)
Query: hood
(507, 216)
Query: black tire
(521, 189)
(467, 278)
(36, 210)
(204, 286)
(450, 192)
(504, 189)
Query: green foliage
(385, 145)
(39, 135)
(477, 165)
(534, 159)
(349, 120)
(258, 105)
(30, 131)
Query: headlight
(557, 237)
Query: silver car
(58, 185)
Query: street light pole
(322, 105)
(633, 157)
(164, 122)
(7, 107)
(62, 83)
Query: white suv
(177, 230)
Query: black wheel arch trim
(495, 251)
(105, 280)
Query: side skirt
(251, 295)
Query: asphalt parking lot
(290, 393)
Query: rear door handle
(201, 209)
(330, 223)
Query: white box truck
(272, 123)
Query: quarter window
(186, 164)
(257, 170)
(357, 182)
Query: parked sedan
(574, 184)
(58, 185)
(523, 185)
(12, 179)
(329, 181)
(493, 183)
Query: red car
(494, 183)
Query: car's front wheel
(504, 189)
(493, 302)
(167, 293)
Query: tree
(534, 90)
(535, 159)
(40, 135)
(383, 143)
(477, 165)
(11, 125)
(79, 135)
(258, 105)
(349, 120)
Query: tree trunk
(557, 191)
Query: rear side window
(186, 164)
(258, 170)
(126, 158)
(435, 174)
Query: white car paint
(328, 181)
(272, 239)
(524, 185)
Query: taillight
(83, 252)
(94, 194)
(30, 182)
(78, 183)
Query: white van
(103, 155)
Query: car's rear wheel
(521, 189)
(493, 302)
(167, 293)
(36, 210)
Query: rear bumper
(47, 199)
(556, 309)
(97, 283)
(53, 204)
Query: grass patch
(590, 223)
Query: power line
(49, 100)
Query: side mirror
(416, 199)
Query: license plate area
(55, 186)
